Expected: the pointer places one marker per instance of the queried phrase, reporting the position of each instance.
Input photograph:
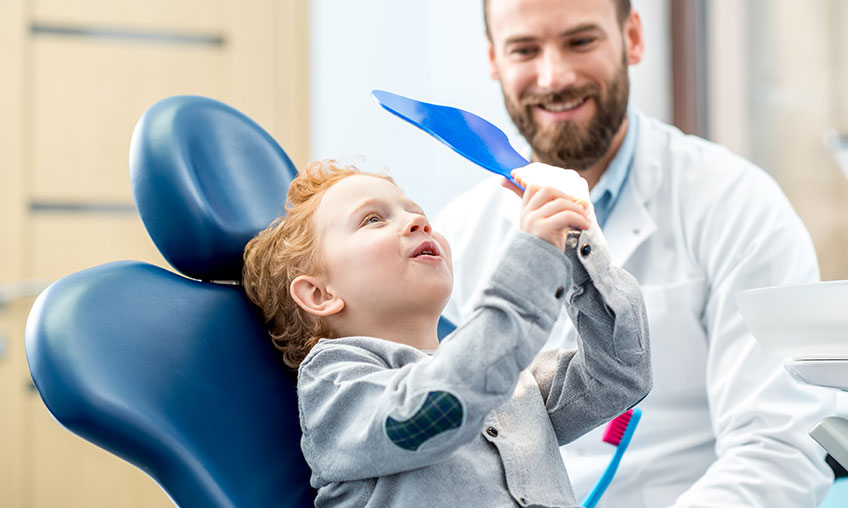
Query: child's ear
(311, 295)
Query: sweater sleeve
(610, 371)
(361, 418)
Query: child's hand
(549, 213)
(566, 180)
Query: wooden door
(76, 76)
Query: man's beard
(566, 144)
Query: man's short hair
(622, 10)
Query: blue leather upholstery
(176, 375)
(444, 328)
(205, 179)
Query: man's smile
(558, 107)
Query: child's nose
(418, 222)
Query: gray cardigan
(478, 423)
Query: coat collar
(630, 223)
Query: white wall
(435, 51)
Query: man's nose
(418, 222)
(554, 71)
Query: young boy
(352, 282)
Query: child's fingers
(568, 181)
(532, 198)
(552, 220)
(556, 205)
(554, 229)
(536, 196)
(514, 188)
(568, 219)
(550, 211)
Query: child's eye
(371, 218)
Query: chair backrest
(176, 374)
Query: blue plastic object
(175, 375)
(837, 496)
(592, 499)
(467, 134)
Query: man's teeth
(563, 106)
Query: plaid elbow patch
(440, 412)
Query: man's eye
(523, 52)
(582, 42)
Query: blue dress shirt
(605, 193)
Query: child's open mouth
(428, 249)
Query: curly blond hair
(287, 248)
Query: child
(352, 282)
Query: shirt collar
(605, 193)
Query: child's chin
(445, 295)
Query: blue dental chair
(176, 374)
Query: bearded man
(725, 425)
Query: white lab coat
(725, 425)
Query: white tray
(800, 321)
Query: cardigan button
(585, 250)
(492, 431)
(522, 500)
(559, 292)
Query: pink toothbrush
(618, 433)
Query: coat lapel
(630, 224)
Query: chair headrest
(206, 179)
